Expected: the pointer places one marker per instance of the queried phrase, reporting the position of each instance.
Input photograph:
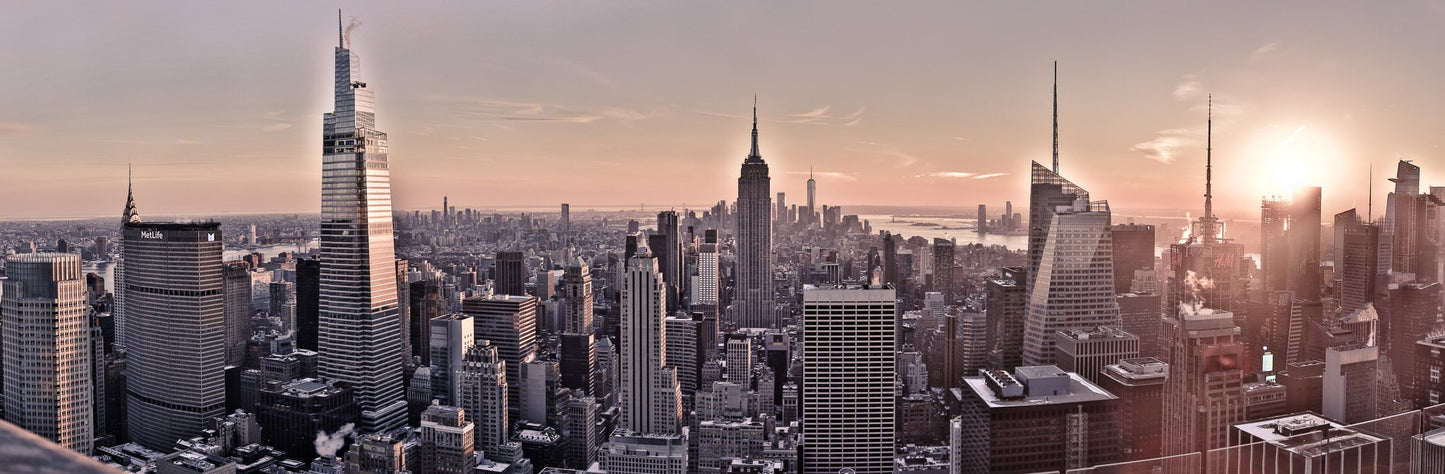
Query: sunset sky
(520, 103)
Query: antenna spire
(1370, 199)
(754, 153)
(1209, 162)
(1056, 117)
(340, 34)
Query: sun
(1292, 156)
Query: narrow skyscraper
(849, 366)
(649, 396)
(359, 337)
(753, 295)
(47, 349)
(1074, 288)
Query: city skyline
(923, 102)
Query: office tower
(1133, 250)
(359, 326)
(1140, 315)
(510, 322)
(704, 288)
(1414, 313)
(237, 291)
(510, 274)
(1349, 383)
(1401, 221)
(482, 395)
(740, 359)
(447, 441)
(684, 355)
(580, 431)
(780, 213)
(1429, 384)
(1356, 261)
(1306, 443)
(538, 383)
(378, 452)
(1087, 351)
(1075, 285)
(451, 336)
(669, 257)
(1047, 192)
(943, 268)
(1139, 384)
(446, 213)
(292, 412)
(308, 302)
(969, 353)
(564, 223)
(1005, 303)
(1265, 399)
(577, 290)
(1274, 265)
(1040, 418)
(403, 310)
(1203, 397)
(425, 304)
(753, 292)
(175, 352)
(982, 223)
(811, 220)
(48, 356)
(721, 441)
(1304, 235)
(282, 306)
(848, 372)
(579, 346)
(649, 395)
(97, 366)
(629, 452)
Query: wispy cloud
(990, 175)
(1170, 144)
(1167, 145)
(513, 111)
(16, 130)
(829, 175)
(1263, 52)
(276, 127)
(157, 142)
(823, 116)
(904, 159)
(947, 174)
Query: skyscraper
(47, 349)
(238, 311)
(510, 323)
(308, 302)
(1047, 192)
(175, 348)
(451, 336)
(1006, 301)
(579, 347)
(510, 274)
(359, 334)
(1203, 396)
(482, 395)
(812, 196)
(649, 396)
(669, 257)
(1074, 288)
(1133, 250)
(753, 295)
(849, 366)
(943, 268)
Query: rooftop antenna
(340, 35)
(1209, 161)
(1056, 117)
(1370, 207)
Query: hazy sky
(516, 103)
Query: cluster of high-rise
(755, 338)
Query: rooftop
(1080, 390)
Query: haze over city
(218, 105)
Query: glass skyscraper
(359, 337)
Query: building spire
(131, 214)
(340, 35)
(810, 172)
(754, 153)
(1056, 117)
(1209, 161)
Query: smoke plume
(347, 33)
(328, 445)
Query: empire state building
(754, 293)
(359, 338)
